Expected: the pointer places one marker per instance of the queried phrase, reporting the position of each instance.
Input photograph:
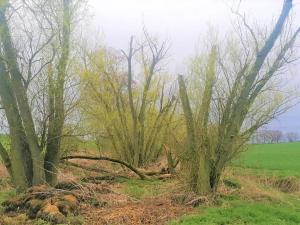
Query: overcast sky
(183, 23)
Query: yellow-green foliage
(135, 137)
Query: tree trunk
(56, 103)
(196, 158)
(21, 98)
(20, 156)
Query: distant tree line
(274, 136)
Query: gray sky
(183, 23)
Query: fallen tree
(103, 158)
(142, 174)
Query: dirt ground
(122, 209)
(107, 203)
(121, 201)
(156, 211)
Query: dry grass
(149, 211)
(261, 187)
(137, 202)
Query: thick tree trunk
(56, 102)
(196, 159)
(21, 98)
(20, 157)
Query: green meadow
(274, 160)
(241, 213)
(281, 159)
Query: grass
(274, 159)
(280, 160)
(87, 145)
(241, 213)
(143, 188)
(5, 195)
(5, 140)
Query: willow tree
(125, 99)
(239, 96)
(41, 55)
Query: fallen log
(103, 158)
(91, 169)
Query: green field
(277, 159)
(267, 159)
(241, 213)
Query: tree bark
(21, 97)
(20, 156)
(196, 158)
(56, 102)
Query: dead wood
(92, 169)
(47, 203)
(102, 158)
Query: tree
(235, 99)
(56, 99)
(292, 136)
(43, 53)
(276, 136)
(268, 136)
(130, 108)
